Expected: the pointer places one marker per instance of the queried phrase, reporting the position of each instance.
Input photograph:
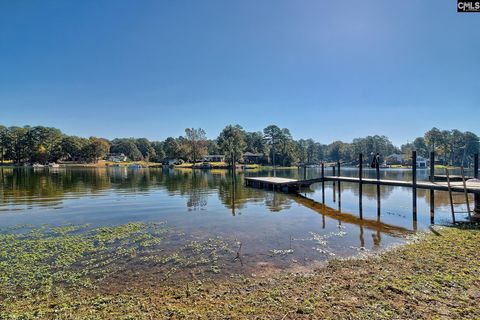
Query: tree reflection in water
(219, 194)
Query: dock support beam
(323, 183)
(475, 174)
(360, 185)
(333, 174)
(377, 169)
(432, 192)
(339, 189)
(414, 185)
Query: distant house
(394, 159)
(116, 157)
(422, 162)
(214, 158)
(258, 158)
(170, 162)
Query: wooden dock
(284, 184)
(472, 186)
(272, 183)
(443, 177)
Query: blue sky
(325, 69)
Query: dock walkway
(293, 184)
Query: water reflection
(273, 227)
(340, 216)
(46, 187)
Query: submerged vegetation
(45, 262)
(39, 259)
(56, 273)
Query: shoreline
(106, 164)
(146, 165)
(434, 276)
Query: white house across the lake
(422, 162)
(396, 158)
(214, 158)
(116, 157)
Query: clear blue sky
(325, 69)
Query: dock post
(323, 183)
(360, 184)
(333, 174)
(339, 188)
(377, 169)
(475, 175)
(414, 184)
(304, 172)
(432, 192)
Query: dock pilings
(431, 185)
(339, 188)
(377, 171)
(414, 185)
(475, 175)
(360, 185)
(432, 192)
(323, 183)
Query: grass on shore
(144, 164)
(217, 165)
(441, 166)
(220, 164)
(436, 277)
(437, 166)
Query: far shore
(211, 165)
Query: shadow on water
(375, 225)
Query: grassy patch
(441, 166)
(200, 164)
(144, 164)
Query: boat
(135, 166)
(38, 165)
(53, 165)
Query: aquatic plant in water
(48, 259)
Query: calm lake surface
(277, 231)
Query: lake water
(276, 231)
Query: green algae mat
(126, 272)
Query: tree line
(45, 144)
(452, 147)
